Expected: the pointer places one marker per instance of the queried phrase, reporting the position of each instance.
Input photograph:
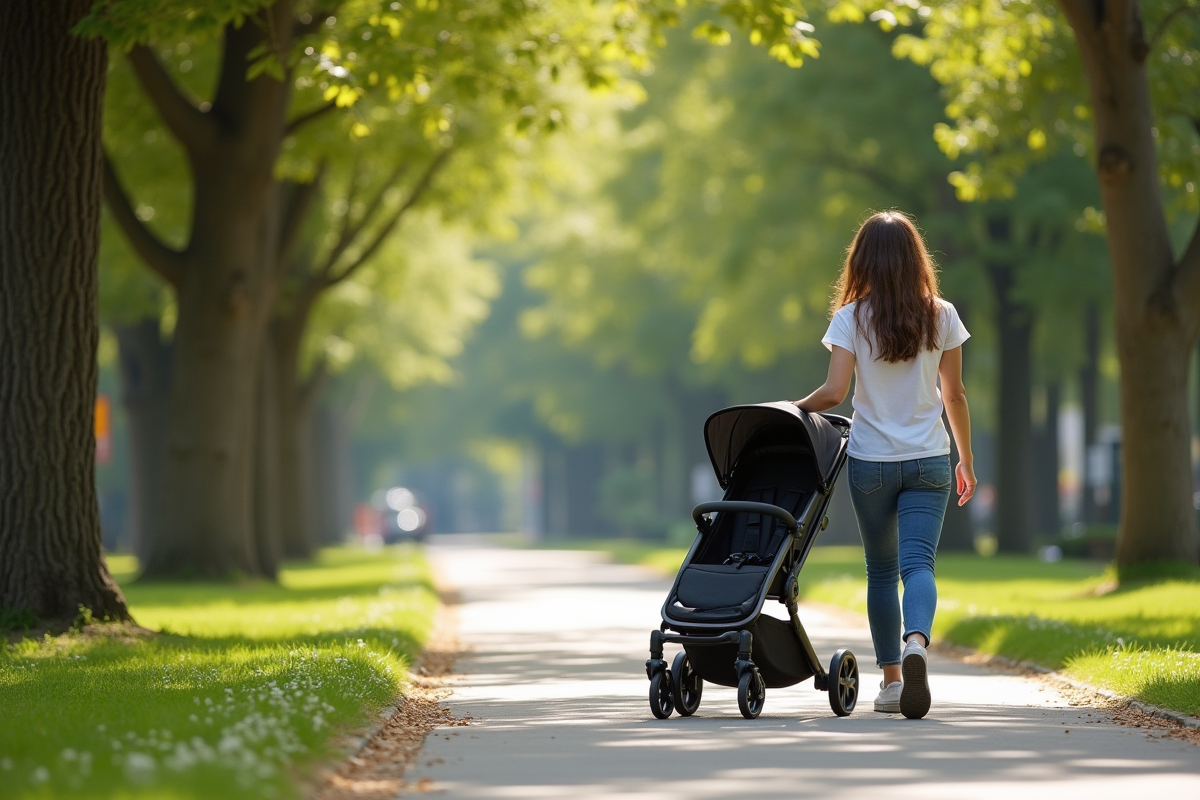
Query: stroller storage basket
(778, 466)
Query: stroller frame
(679, 687)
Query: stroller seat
(717, 592)
(725, 580)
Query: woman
(893, 332)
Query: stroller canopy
(728, 433)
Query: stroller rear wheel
(752, 693)
(661, 702)
(843, 682)
(687, 686)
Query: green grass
(1142, 640)
(245, 686)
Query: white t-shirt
(897, 407)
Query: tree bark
(268, 533)
(1014, 326)
(1156, 296)
(1089, 385)
(226, 281)
(145, 370)
(294, 407)
(1045, 491)
(52, 560)
(330, 479)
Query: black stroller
(778, 466)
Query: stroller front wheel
(843, 682)
(661, 702)
(752, 693)
(687, 686)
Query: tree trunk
(1014, 326)
(1156, 297)
(268, 536)
(227, 285)
(207, 477)
(145, 369)
(50, 160)
(1157, 521)
(329, 481)
(1089, 384)
(1045, 472)
(294, 409)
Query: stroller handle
(744, 506)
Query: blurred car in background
(403, 518)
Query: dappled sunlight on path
(557, 684)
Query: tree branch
(160, 258)
(194, 129)
(1166, 21)
(345, 223)
(351, 229)
(382, 234)
(309, 116)
(1085, 18)
(298, 203)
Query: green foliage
(253, 682)
(408, 311)
(687, 244)
(128, 22)
(1015, 88)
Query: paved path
(557, 684)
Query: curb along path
(555, 684)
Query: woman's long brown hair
(889, 271)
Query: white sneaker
(888, 700)
(914, 694)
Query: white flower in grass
(68, 755)
(139, 766)
(6, 764)
(182, 758)
(40, 775)
(229, 744)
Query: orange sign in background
(103, 430)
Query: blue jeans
(900, 506)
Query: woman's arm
(837, 382)
(954, 397)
